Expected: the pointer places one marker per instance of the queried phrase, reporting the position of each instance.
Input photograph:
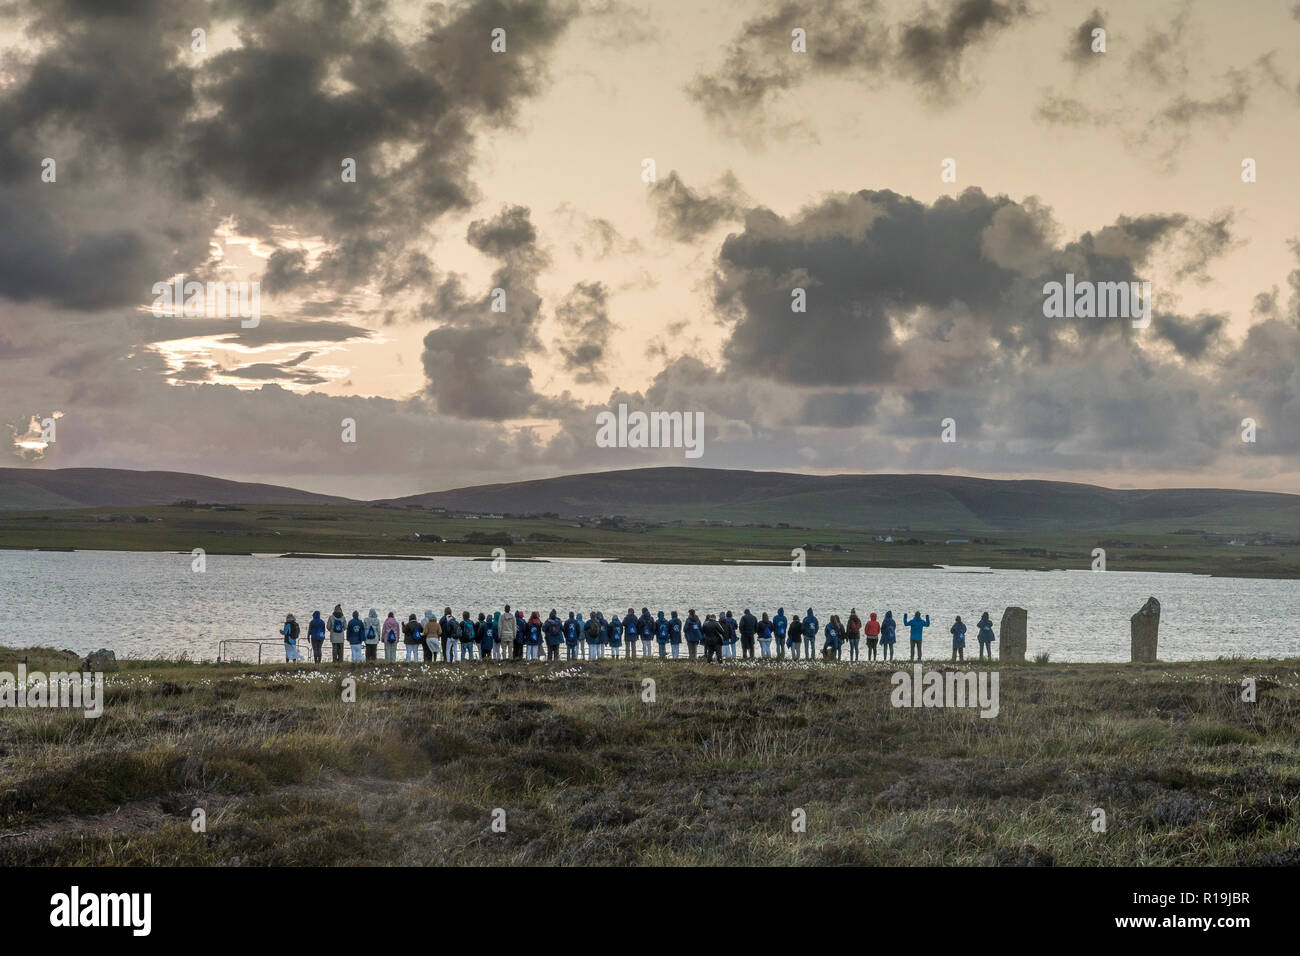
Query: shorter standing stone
(1145, 628)
(1013, 636)
(101, 660)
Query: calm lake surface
(149, 604)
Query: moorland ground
(712, 772)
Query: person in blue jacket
(918, 627)
(602, 636)
(593, 633)
(888, 636)
(794, 636)
(467, 637)
(984, 632)
(487, 635)
(693, 629)
(554, 631)
(645, 629)
(630, 633)
(533, 637)
(675, 634)
(316, 631)
(958, 631)
(356, 636)
(780, 625)
(662, 629)
(614, 634)
(834, 634)
(582, 637)
(572, 628)
(810, 627)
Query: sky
(638, 190)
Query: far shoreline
(657, 561)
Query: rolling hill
(49, 488)
(949, 502)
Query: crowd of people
(508, 634)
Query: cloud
(1079, 49)
(684, 214)
(583, 316)
(846, 39)
(476, 359)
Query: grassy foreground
(287, 772)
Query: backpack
(337, 626)
(370, 633)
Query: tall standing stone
(1145, 625)
(1014, 634)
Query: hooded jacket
(714, 633)
(630, 625)
(533, 630)
(873, 626)
(614, 630)
(985, 626)
(958, 632)
(392, 628)
(506, 629)
(356, 629)
(373, 621)
(694, 630)
(645, 625)
(572, 628)
(554, 630)
(316, 627)
(888, 628)
(917, 625)
(338, 625)
(810, 626)
(662, 628)
(411, 631)
(779, 623)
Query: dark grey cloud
(931, 47)
(258, 131)
(847, 39)
(685, 214)
(476, 360)
(583, 317)
(1191, 338)
(1079, 49)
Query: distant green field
(338, 529)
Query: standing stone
(1145, 626)
(1013, 635)
(101, 660)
